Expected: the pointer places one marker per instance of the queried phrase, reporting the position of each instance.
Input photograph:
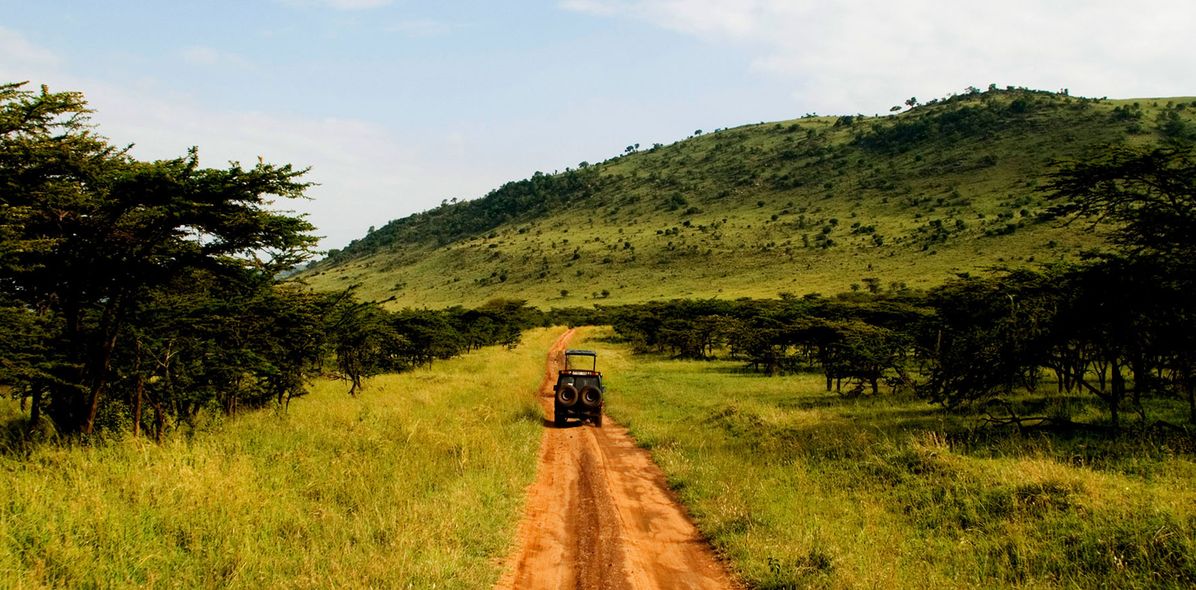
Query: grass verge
(799, 488)
(417, 483)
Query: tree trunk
(110, 326)
(1187, 382)
(35, 409)
(1191, 401)
(1117, 393)
(159, 422)
(93, 407)
(1142, 381)
(140, 391)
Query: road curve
(599, 515)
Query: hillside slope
(817, 204)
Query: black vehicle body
(578, 392)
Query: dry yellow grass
(417, 483)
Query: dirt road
(599, 515)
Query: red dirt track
(599, 514)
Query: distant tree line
(995, 111)
(517, 200)
(947, 123)
(1120, 326)
(137, 294)
(364, 339)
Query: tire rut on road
(599, 515)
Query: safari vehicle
(578, 390)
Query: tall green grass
(417, 483)
(800, 488)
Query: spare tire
(591, 397)
(566, 396)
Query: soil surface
(599, 514)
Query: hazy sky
(398, 104)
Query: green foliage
(1150, 196)
(1176, 129)
(947, 125)
(1140, 298)
(862, 340)
(143, 293)
(988, 335)
(93, 239)
(364, 342)
(1118, 329)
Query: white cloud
(18, 52)
(355, 4)
(363, 172)
(702, 17)
(339, 4)
(421, 27)
(599, 7)
(866, 55)
(366, 175)
(201, 55)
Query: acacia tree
(867, 353)
(1142, 313)
(1149, 197)
(988, 335)
(90, 234)
(363, 340)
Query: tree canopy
(95, 240)
(1148, 195)
(138, 293)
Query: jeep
(578, 390)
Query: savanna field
(304, 294)
(419, 481)
(416, 483)
(799, 487)
(947, 348)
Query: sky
(396, 105)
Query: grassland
(800, 206)
(417, 483)
(799, 488)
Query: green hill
(816, 204)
